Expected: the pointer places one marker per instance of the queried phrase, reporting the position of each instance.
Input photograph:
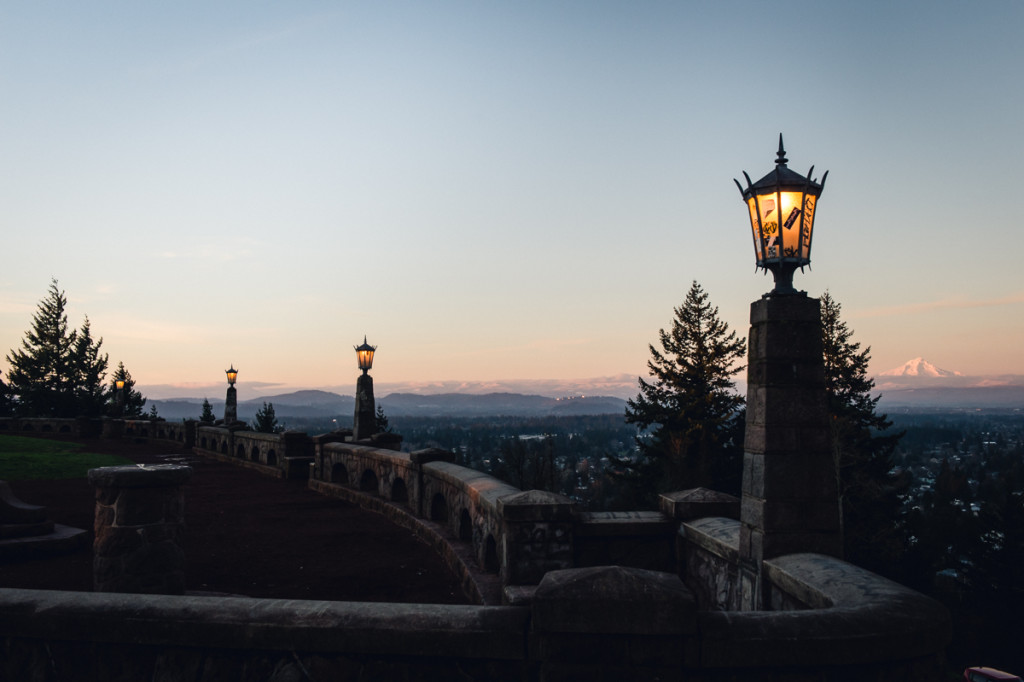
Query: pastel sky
(499, 190)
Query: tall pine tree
(57, 373)
(40, 376)
(89, 368)
(861, 448)
(690, 415)
(266, 420)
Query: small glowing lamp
(782, 208)
(232, 374)
(120, 384)
(364, 355)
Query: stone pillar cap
(535, 505)
(140, 476)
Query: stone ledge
(140, 476)
(616, 524)
(613, 599)
(416, 630)
(718, 535)
(871, 619)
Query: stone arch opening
(254, 453)
(271, 458)
(47, 428)
(339, 474)
(65, 429)
(439, 509)
(491, 563)
(202, 442)
(465, 526)
(240, 451)
(27, 427)
(224, 448)
(399, 493)
(161, 434)
(368, 482)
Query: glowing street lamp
(364, 355)
(782, 207)
(231, 399)
(365, 422)
(119, 383)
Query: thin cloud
(946, 304)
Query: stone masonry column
(138, 523)
(231, 406)
(365, 422)
(536, 535)
(790, 501)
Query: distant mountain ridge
(316, 403)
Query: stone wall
(285, 455)
(602, 623)
(823, 619)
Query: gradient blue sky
(496, 191)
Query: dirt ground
(249, 534)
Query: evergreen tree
(6, 400)
(381, 420)
(42, 375)
(134, 403)
(152, 413)
(868, 491)
(89, 369)
(690, 416)
(207, 416)
(266, 421)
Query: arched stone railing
(285, 455)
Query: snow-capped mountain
(919, 367)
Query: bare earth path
(248, 534)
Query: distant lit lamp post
(782, 207)
(790, 500)
(365, 423)
(119, 383)
(231, 401)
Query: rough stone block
(613, 599)
(699, 502)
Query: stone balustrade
(822, 618)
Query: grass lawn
(24, 458)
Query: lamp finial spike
(781, 160)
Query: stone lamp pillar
(231, 400)
(790, 498)
(790, 501)
(365, 421)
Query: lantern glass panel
(790, 215)
(808, 226)
(755, 225)
(365, 359)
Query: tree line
(62, 372)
